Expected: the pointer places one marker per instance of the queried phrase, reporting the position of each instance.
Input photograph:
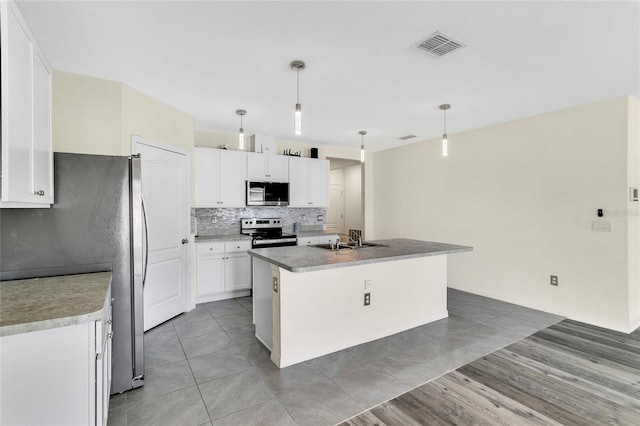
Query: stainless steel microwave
(267, 194)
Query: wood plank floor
(570, 373)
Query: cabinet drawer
(236, 246)
(209, 248)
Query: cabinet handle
(39, 193)
(110, 335)
(185, 241)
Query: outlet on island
(367, 299)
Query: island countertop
(43, 303)
(310, 258)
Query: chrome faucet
(351, 240)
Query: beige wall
(147, 117)
(523, 194)
(86, 114)
(96, 116)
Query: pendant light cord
(298, 85)
(445, 121)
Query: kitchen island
(311, 301)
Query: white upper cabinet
(308, 182)
(267, 167)
(220, 177)
(27, 153)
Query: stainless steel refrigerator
(96, 224)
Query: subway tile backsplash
(225, 221)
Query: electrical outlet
(554, 280)
(367, 299)
(275, 284)
(214, 220)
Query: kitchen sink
(349, 246)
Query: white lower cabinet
(317, 239)
(58, 376)
(223, 270)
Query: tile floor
(205, 367)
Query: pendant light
(444, 108)
(362, 133)
(297, 117)
(241, 112)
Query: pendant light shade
(362, 133)
(241, 112)
(297, 116)
(445, 138)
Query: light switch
(601, 225)
(367, 284)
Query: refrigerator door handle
(146, 243)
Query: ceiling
(209, 58)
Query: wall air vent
(404, 138)
(438, 45)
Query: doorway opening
(345, 214)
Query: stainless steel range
(266, 232)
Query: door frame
(137, 139)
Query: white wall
(523, 194)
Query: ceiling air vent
(438, 44)
(404, 138)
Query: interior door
(335, 212)
(165, 187)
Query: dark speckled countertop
(310, 258)
(44, 303)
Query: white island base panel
(320, 312)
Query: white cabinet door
(267, 167)
(17, 107)
(256, 166)
(205, 171)
(27, 155)
(42, 142)
(223, 269)
(219, 177)
(308, 182)
(277, 168)
(209, 275)
(209, 269)
(231, 178)
(318, 183)
(298, 182)
(238, 272)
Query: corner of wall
(633, 177)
